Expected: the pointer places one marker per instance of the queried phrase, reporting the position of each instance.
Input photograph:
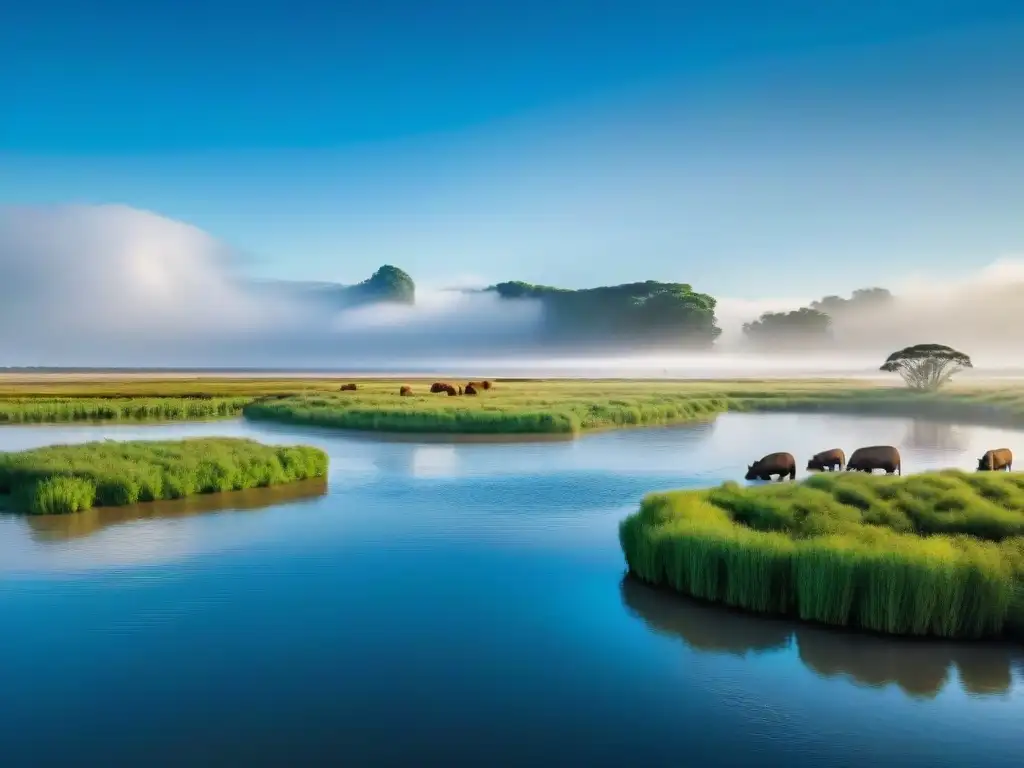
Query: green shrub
(927, 554)
(71, 478)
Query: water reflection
(935, 436)
(919, 668)
(59, 528)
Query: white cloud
(111, 285)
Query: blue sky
(751, 148)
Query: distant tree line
(812, 325)
(650, 312)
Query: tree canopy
(801, 326)
(386, 284)
(926, 366)
(654, 312)
(862, 298)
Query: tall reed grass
(49, 410)
(70, 478)
(931, 554)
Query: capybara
(348, 387)
(875, 457)
(780, 464)
(831, 460)
(470, 389)
(1000, 458)
(405, 391)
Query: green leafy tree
(386, 284)
(801, 326)
(647, 312)
(926, 367)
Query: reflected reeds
(58, 528)
(919, 668)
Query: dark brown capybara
(781, 464)
(833, 460)
(995, 460)
(471, 389)
(348, 388)
(405, 391)
(875, 457)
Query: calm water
(456, 604)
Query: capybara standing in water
(470, 389)
(780, 464)
(1000, 458)
(405, 391)
(348, 388)
(875, 457)
(831, 460)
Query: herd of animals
(779, 465)
(885, 457)
(438, 387)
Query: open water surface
(445, 603)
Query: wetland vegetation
(939, 553)
(63, 479)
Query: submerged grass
(71, 478)
(931, 554)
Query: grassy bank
(572, 407)
(931, 554)
(70, 478)
(40, 410)
(557, 407)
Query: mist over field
(111, 286)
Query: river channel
(461, 603)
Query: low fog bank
(111, 286)
(980, 314)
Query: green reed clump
(35, 410)
(929, 554)
(70, 478)
(493, 412)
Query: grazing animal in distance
(460, 389)
(470, 389)
(832, 461)
(486, 384)
(440, 386)
(875, 457)
(348, 387)
(997, 459)
(405, 391)
(781, 464)
(452, 392)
